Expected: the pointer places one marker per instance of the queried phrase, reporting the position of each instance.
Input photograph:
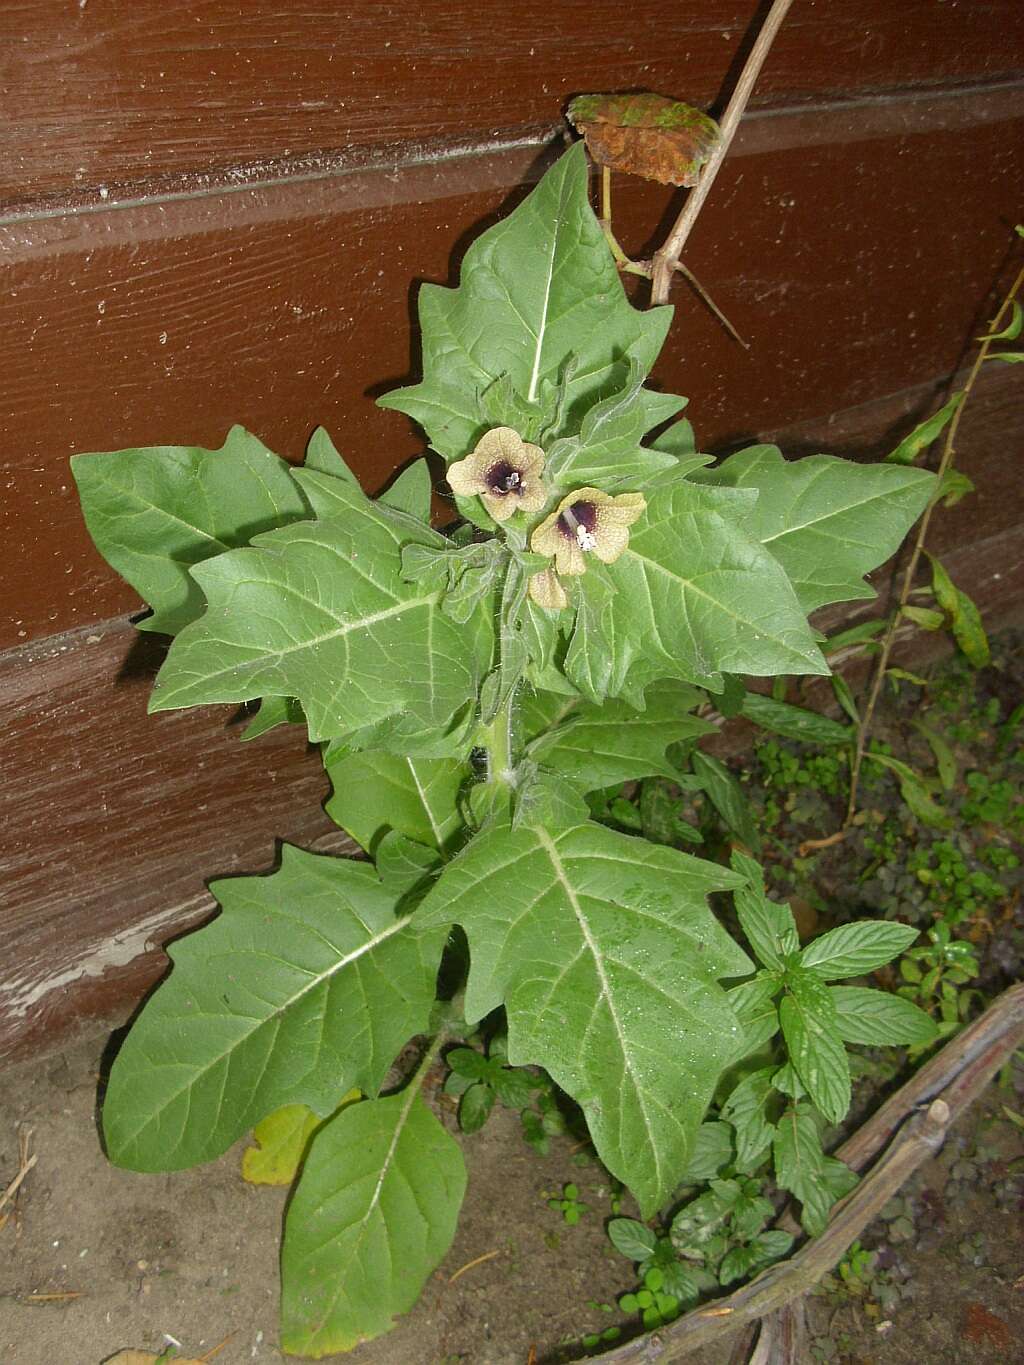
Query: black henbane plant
(469, 690)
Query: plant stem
(667, 255)
(889, 637)
(497, 739)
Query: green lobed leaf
(535, 289)
(879, 1019)
(605, 955)
(475, 1107)
(319, 611)
(694, 595)
(404, 866)
(854, 949)
(770, 928)
(599, 746)
(827, 521)
(156, 512)
(273, 711)
(807, 1014)
(795, 722)
(267, 1006)
(607, 450)
(373, 1214)
(373, 792)
(410, 492)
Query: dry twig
(666, 258)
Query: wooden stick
(961, 1071)
(667, 255)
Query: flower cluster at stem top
(506, 473)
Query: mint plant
(469, 690)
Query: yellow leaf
(282, 1137)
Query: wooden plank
(113, 820)
(148, 89)
(286, 307)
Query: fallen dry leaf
(985, 1328)
(648, 135)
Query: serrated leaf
(319, 611)
(632, 1239)
(854, 949)
(799, 1166)
(156, 512)
(807, 1014)
(410, 492)
(879, 1019)
(600, 746)
(924, 433)
(372, 1215)
(827, 521)
(266, 1006)
(282, 1137)
(712, 1150)
(535, 289)
(692, 596)
(727, 797)
(745, 1111)
(475, 1107)
(770, 928)
(754, 1003)
(795, 722)
(374, 792)
(605, 955)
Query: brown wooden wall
(215, 211)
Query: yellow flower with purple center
(587, 522)
(504, 471)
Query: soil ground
(94, 1259)
(192, 1256)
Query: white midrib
(548, 844)
(542, 326)
(408, 1099)
(421, 793)
(280, 1010)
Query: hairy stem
(497, 739)
(889, 637)
(667, 256)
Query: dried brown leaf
(646, 134)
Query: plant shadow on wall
(472, 694)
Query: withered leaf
(646, 134)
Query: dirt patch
(192, 1255)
